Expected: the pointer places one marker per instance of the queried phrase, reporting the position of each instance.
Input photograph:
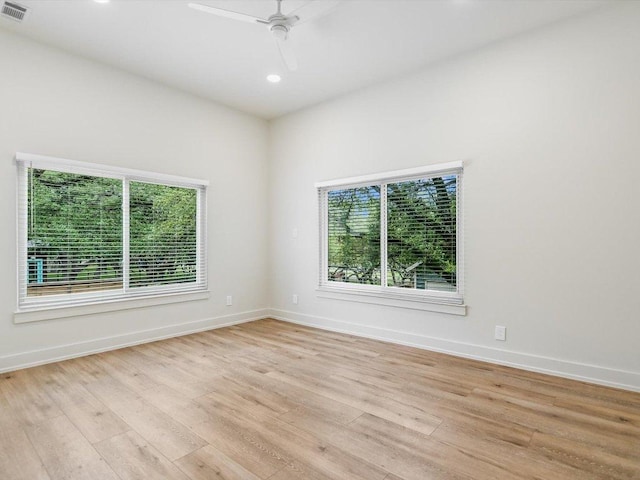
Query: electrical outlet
(500, 333)
(229, 300)
(294, 299)
(294, 233)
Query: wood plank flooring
(271, 400)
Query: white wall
(53, 103)
(548, 124)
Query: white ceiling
(359, 43)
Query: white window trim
(61, 306)
(129, 303)
(430, 300)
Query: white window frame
(432, 300)
(31, 309)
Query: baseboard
(552, 366)
(64, 352)
(562, 368)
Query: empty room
(320, 239)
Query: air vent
(13, 11)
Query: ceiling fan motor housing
(279, 31)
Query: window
(90, 233)
(394, 235)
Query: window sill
(37, 314)
(416, 303)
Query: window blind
(163, 235)
(91, 233)
(74, 233)
(354, 235)
(395, 234)
(421, 233)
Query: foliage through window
(89, 233)
(406, 226)
(354, 235)
(163, 245)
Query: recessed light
(101, 1)
(273, 78)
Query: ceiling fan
(278, 24)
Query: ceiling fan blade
(313, 9)
(221, 12)
(287, 53)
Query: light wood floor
(270, 400)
